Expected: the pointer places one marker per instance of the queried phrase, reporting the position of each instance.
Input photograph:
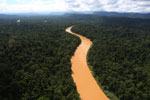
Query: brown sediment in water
(87, 86)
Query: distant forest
(35, 56)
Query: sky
(23, 6)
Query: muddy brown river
(87, 86)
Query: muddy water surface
(87, 86)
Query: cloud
(143, 3)
(74, 5)
(110, 5)
(20, 6)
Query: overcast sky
(13, 6)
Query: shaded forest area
(119, 57)
(35, 59)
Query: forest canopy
(35, 56)
(119, 58)
(35, 60)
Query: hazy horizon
(41, 6)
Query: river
(87, 86)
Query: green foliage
(37, 64)
(43, 98)
(120, 59)
(35, 56)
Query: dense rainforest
(119, 57)
(35, 56)
(35, 59)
